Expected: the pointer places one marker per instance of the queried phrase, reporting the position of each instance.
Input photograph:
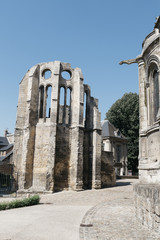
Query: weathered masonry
(58, 131)
(147, 191)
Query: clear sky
(94, 35)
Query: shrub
(3, 206)
(20, 203)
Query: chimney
(5, 132)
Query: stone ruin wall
(57, 147)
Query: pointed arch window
(68, 97)
(156, 93)
(48, 101)
(153, 93)
(85, 109)
(41, 101)
(62, 103)
(62, 96)
(68, 107)
(84, 105)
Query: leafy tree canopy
(124, 115)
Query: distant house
(6, 166)
(115, 142)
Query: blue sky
(94, 35)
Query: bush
(3, 206)
(20, 203)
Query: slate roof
(6, 156)
(5, 148)
(3, 141)
(108, 130)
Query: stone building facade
(6, 163)
(147, 191)
(58, 131)
(116, 143)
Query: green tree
(124, 115)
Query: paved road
(103, 214)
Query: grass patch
(34, 200)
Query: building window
(41, 101)
(68, 107)
(84, 106)
(156, 93)
(46, 74)
(48, 101)
(5, 182)
(85, 110)
(153, 93)
(62, 103)
(118, 153)
(66, 75)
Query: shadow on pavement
(121, 184)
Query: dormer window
(117, 133)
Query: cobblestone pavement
(115, 219)
(109, 216)
(123, 189)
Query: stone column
(142, 112)
(45, 141)
(142, 96)
(53, 129)
(25, 129)
(125, 159)
(96, 166)
(77, 134)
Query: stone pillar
(96, 166)
(77, 134)
(125, 159)
(25, 129)
(143, 113)
(45, 141)
(142, 96)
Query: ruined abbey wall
(58, 131)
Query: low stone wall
(147, 203)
